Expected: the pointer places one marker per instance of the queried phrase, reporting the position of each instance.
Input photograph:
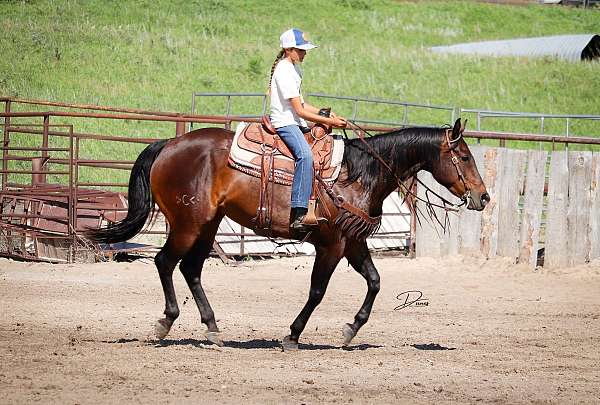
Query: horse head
(456, 169)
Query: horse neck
(406, 161)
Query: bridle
(466, 197)
(446, 205)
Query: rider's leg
(294, 139)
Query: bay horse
(191, 182)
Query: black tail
(139, 198)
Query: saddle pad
(249, 160)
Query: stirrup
(299, 227)
(311, 219)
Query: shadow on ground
(249, 344)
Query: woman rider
(288, 114)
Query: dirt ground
(483, 331)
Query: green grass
(154, 54)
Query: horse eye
(465, 158)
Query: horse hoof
(348, 333)
(288, 345)
(213, 337)
(162, 328)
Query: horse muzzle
(476, 201)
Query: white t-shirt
(285, 84)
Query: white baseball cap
(294, 38)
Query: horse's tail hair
(139, 199)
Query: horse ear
(463, 126)
(457, 130)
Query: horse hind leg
(177, 246)
(191, 268)
(165, 263)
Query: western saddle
(258, 150)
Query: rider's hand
(337, 122)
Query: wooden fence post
(595, 208)
(489, 217)
(469, 223)
(511, 184)
(556, 222)
(532, 207)
(578, 208)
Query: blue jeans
(303, 174)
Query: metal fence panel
(428, 238)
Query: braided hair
(275, 62)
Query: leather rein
(455, 161)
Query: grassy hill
(154, 54)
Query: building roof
(569, 47)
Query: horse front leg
(360, 259)
(326, 259)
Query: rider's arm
(310, 108)
(310, 113)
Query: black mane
(395, 147)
